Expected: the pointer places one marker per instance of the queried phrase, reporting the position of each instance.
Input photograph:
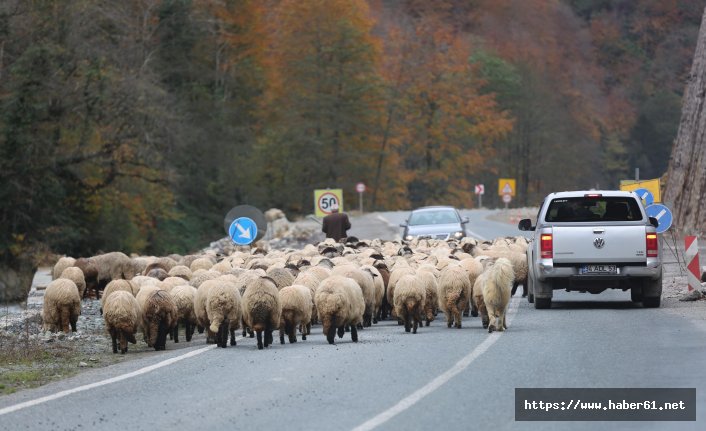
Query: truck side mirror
(525, 224)
(654, 222)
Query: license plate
(598, 269)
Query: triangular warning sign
(507, 190)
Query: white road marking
(115, 379)
(439, 381)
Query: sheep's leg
(161, 336)
(514, 288)
(232, 337)
(291, 332)
(329, 330)
(113, 336)
(268, 335)
(223, 333)
(259, 340)
(305, 330)
(200, 329)
(281, 332)
(123, 342)
(175, 333)
(474, 308)
(354, 333)
(407, 326)
(449, 318)
(188, 330)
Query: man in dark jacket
(336, 224)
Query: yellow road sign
(506, 186)
(326, 199)
(651, 185)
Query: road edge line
(144, 370)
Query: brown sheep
(122, 318)
(159, 316)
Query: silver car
(435, 222)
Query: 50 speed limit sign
(326, 200)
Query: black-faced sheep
(122, 318)
(159, 316)
(76, 275)
(62, 306)
(496, 286)
(262, 309)
(454, 291)
(296, 303)
(183, 296)
(223, 308)
(339, 302)
(410, 296)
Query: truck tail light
(652, 245)
(546, 246)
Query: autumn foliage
(137, 125)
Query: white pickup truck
(590, 241)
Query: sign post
(480, 191)
(507, 198)
(360, 188)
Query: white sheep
(62, 306)
(496, 286)
(454, 291)
(60, 265)
(223, 309)
(296, 304)
(364, 279)
(180, 271)
(431, 301)
(122, 319)
(76, 275)
(378, 291)
(183, 296)
(262, 309)
(410, 296)
(339, 302)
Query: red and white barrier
(691, 247)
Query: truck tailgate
(582, 244)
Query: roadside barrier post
(691, 253)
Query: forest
(135, 125)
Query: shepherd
(336, 224)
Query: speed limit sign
(326, 200)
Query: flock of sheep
(343, 287)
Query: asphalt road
(390, 380)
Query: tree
(686, 176)
(322, 101)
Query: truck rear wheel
(652, 302)
(530, 289)
(542, 303)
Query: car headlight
(408, 238)
(458, 235)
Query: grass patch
(27, 363)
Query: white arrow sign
(244, 233)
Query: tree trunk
(686, 175)
(16, 280)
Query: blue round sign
(646, 196)
(662, 214)
(243, 231)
